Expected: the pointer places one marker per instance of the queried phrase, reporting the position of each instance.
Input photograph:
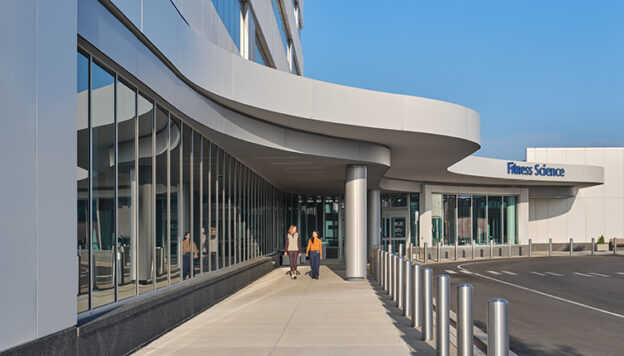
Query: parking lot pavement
(558, 305)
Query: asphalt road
(558, 305)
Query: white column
(374, 217)
(425, 215)
(355, 222)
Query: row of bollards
(411, 287)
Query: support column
(374, 217)
(355, 221)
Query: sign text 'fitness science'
(540, 170)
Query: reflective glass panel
(126, 191)
(464, 229)
(82, 182)
(103, 185)
(197, 235)
(214, 207)
(146, 195)
(175, 189)
(206, 211)
(510, 218)
(437, 218)
(188, 252)
(414, 219)
(479, 223)
(162, 215)
(495, 226)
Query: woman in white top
(292, 247)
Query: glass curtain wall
(463, 220)
(479, 220)
(230, 13)
(495, 223)
(145, 179)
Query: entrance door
(394, 230)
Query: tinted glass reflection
(82, 181)
(145, 206)
(161, 227)
(175, 139)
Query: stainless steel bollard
(382, 274)
(497, 327)
(442, 316)
(400, 250)
(392, 275)
(379, 266)
(395, 286)
(427, 304)
(491, 248)
(456, 243)
(472, 243)
(549, 247)
(400, 283)
(416, 295)
(571, 246)
(385, 271)
(615, 246)
(439, 251)
(426, 257)
(593, 246)
(465, 334)
(407, 289)
(530, 248)
(510, 247)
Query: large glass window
(437, 218)
(479, 223)
(126, 191)
(188, 252)
(162, 214)
(206, 236)
(82, 181)
(414, 219)
(448, 202)
(464, 231)
(215, 248)
(103, 185)
(495, 222)
(196, 209)
(146, 197)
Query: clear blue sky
(539, 72)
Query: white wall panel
(556, 220)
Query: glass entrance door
(394, 231)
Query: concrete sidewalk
(279, 316)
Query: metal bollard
(439, 251)
(395, 286)
(491, 248)
(427, 304)
(407, 289)
(593, 246)
(497, 327)
(392, 273)
(510, 246)
(382, 273)
(426, 258)
(615, 246)
(456, 243)
(442, 315)
(571, 246)
(416, 295)
(379, 266)
(400, 283)
(400, 250)
(465, 334)
(385, 271)
(472, 243)
(530, 248)
(549, 247)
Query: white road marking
(494, 272)
(510, 273)
(554, 274)
(553, 296)
(599, 274)
(465, 271)
(539, 274)
(620, 272)
(582, 274)
(450, 271)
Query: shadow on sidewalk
(410, 335)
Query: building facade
(160, 149)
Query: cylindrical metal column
(491, 248)
(355, 222)
(439, 252)
(509, 243)
(374, 217)
(497, 327)
(593, 246)
(472, 243)
(442, 316)
(395, 291)
(456, 243)
(571, 246)
(427, 304)
(465, 334)
(379, 265)
(615, 246)
(416, 295)
(407, 289)
(426, 257)
(400, 283)
(392, 273)
(400, 250)
(549, 247)
(530, 248)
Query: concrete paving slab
(279, 316)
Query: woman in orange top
(315, 251)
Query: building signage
(536, 170)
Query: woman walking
(315, 251)
(293, 249)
